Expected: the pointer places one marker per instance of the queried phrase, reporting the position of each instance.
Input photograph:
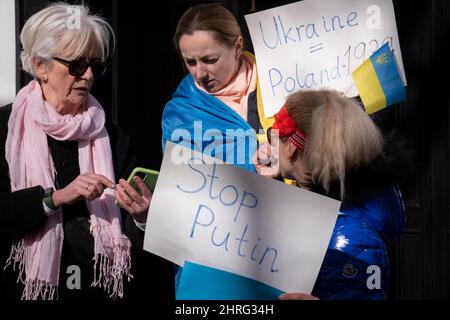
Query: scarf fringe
(17, 256)
(111, 271)
(38, 289)
(34, 289)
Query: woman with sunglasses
(328, 144)
(60, 228)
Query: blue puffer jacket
(359, 241)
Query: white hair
(61, 26)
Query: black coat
(22, 212)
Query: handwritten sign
(228, 218)
(317, 44)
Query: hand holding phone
(129, 196)
(148, 176)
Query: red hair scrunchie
(287, 127)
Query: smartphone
(148, 176)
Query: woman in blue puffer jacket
(328, 144)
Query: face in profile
(291, 161)
(212, 64)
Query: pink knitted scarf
(30, 164)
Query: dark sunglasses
(78, 67)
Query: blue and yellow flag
(200, 282)
(378, 81)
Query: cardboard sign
(318, 44)
(234, 220)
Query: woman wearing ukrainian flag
(219, 95)
(216, 103)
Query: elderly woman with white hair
(59, 225)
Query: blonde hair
(208, 17)
(340, 134)
(49, 32)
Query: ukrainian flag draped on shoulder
(205, 124)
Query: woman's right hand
(87, 186)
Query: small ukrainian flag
(378, 81)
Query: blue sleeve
(386, 213)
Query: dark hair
(208, 17)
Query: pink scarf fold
(235, 94)
(30, 164)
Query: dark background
(145, 71)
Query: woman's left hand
(297, 296)
(134, 203)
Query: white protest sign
(318, 44)
(228, 218)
